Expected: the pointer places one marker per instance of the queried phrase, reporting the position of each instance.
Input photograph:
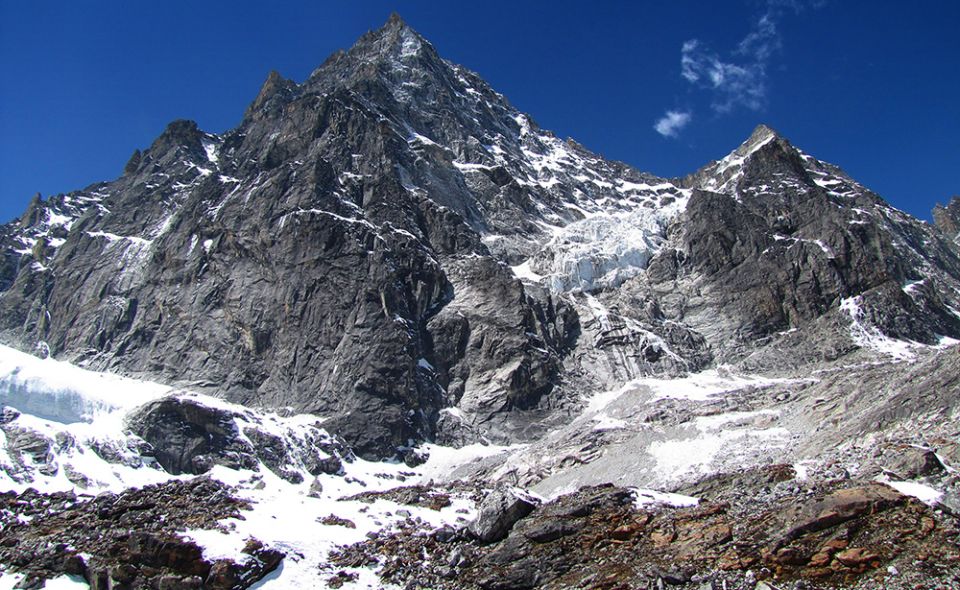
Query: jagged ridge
(346, 250)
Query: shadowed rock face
(300, 260)
(345, 251)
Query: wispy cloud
(740, 78)
(670, 124)
(733, 84)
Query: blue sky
(873, 87)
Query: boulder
(189, 437)
(912, 462)
(499, 511)
(843, 505)
(331, 465)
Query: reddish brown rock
(856, 556)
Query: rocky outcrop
(187, 436)
(947, 219)
(772, 240)
(499, 511)
(781, 535)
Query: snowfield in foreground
(84, 412)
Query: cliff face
(392, 245)
(947, 219)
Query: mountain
(739, 378)
(393, 245)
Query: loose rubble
(127, 540)
(819, 536)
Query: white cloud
(732, 84)
(741, 79)
(670, 124)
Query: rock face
(190, 438)
(186, 436)
(392, 245)
(947, 219)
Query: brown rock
(732, 560)
(819, 572)
(835, 545)
(790, 556)
(660, 538)
(856, 556)
(729, 561)
(843, 505)
(820, 559)
(910, 462)
(334, 520)
(624, 532)
(718, 534)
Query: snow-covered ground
(871, 338)
(82, 409)
(89, 408)
(84, 412)
(654, 433)
(10, 581)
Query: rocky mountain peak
(183, 134)
(761, 134)
(723, 176)
(396, 35)
(393, 245)
(275, 90)
(395, 22)
(947, 218)
(386, 54)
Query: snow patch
(647, 498)
(697, 455)
(524, 272)
(212, 150)
(870, 337)
(705, 385)
(922, 492)
(65, 393)
(604, 422)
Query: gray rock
(188, 437)
(331, 465)
(910, 462)
(8, 414)
(499, 511)
(947, 219)
(316, 488)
